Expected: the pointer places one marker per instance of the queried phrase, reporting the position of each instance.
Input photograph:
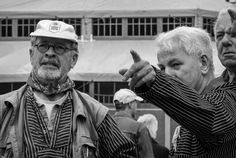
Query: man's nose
(226, 41)
(50, 52)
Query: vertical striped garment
(39, 142)
(112, 142)
(210, 118)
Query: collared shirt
(106, 137)
(49, 109)
(210, 118)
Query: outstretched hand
(140, 72)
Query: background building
(108, 29)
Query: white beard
(49, 74)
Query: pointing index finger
(135, 56)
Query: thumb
(135, 56)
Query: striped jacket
(99, 131)
(209, 120)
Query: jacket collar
(78, 109)
(13, 98)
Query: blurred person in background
(150, 121)
(126, 102)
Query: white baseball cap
(126, 96)
(55, 29)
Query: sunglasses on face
(58, 48)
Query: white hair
(223, 15)
(150, 121)
(194, 41)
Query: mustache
(50, 62)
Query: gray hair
(33, 40)
(150, 121)
(193, 41)
(223, 15)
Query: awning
(98, 60)
(107, 8)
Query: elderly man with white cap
(47, 117)
(126, 102)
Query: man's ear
(31, 52)
(129, 106)
(204, 64)
(75, 57)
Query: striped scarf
(38, 143)
(49, 89)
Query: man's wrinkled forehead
(165, 54)
(163, 51)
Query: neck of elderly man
(51, 68)
(128, 108)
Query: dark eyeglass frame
(57, 48)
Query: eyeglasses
(58, 48)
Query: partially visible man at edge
(212, 116)
(47, 117)
(225, 37)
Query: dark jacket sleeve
(112, 142)
(145, 143)
(211, 117)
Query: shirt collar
(58, 102)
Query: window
(107, 26)
(142, 26)
(82, 86)
(17, 85)
(76, 22)
(26, 26)
(169, 23)
(5, 88)
(10, 86)
(104, 91)
(208, 25)
(6, 27)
